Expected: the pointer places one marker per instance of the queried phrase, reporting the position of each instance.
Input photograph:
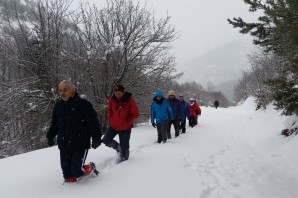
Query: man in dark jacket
(184, 113)
(122, 111)
(75, 122)
(216, 104)
(176, 108)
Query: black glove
(96, 142)
(153, 124)
(51, 142)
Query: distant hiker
(216, 104)
(122, 111)
(195, 110)
(75, 122)
(184, 113)
(161, 112)
(176, 108)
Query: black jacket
(75, 122)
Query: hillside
(221, 66)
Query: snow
(234, 152)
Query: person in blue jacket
(161, 112)
(176, 108)
(184, 113)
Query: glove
(153, 124)
(95, 143)
(51, 142)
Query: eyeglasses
(171, 95)
(181, 96)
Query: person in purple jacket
(176, 108)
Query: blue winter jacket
(176, 108)
(160, 111)
(184, 110)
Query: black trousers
(72, 163)
(176, 124)
(124, 137)
(193, 121)
(162, 131)
(182, 127)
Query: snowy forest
(45, 41)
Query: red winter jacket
(195, 110)
(122, 113)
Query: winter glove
(153, 124)
(51, 142)
(96, 142)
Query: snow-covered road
(232, 153)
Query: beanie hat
(171, 92)
(191, 99)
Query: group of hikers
(75, 123)
(172, 111)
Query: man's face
(191, 101)
(181, 98)
(171, 97)
(118, 94)
(65, 92)
(158, 98)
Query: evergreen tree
(277, 32)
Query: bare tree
(124, 44)
(31, 34)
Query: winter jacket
(160, 111)
(122, 113)
(185, 111)
(74, 122)
(195, 110)
(176, 107)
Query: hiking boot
(90, 168)
(126, 155)
(70, 179)
(87, 169)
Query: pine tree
(277, 31)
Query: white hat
(191, 99)
(171, 92)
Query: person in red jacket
(195, 110)
(122, 111)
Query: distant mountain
(221, 66)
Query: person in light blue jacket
(161, 113)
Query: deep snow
(233, 153)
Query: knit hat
(171, 92)
(191, 99)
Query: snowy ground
(233, 153)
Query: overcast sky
(202, 24)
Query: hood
(158, 93)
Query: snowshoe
(93, 167)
